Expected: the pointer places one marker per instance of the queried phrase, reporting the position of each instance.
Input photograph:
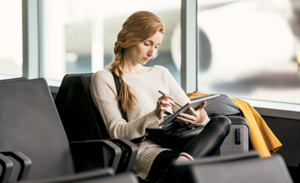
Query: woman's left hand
(196, 117)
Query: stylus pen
(174, 100)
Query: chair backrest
(82, 120)
(271, 169)
(13, 79)
(86, 80)
(80, 177)
(179, 170)
(29, 123)
(124, 178)
(80, 117)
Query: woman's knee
(222, 122)
(210, 139)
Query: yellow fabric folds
(262, 138)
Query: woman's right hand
(162, 104)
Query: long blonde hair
(137, 28)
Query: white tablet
(185, 109)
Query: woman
(137, 42)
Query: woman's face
(142, 52)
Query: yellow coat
(262, 138)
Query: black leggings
(206, 143)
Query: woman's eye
(146, 44)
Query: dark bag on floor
(173, 135)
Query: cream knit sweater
(145, 88)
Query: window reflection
(250, 49)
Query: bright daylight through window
(11, 39)
(79, 35)
(250, 49)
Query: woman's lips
(146, 59)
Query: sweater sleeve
(104, 95)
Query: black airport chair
(80, 177)
(271, 169)
(82, 120)
(30, 125)
(179, 170)
(127, 177)
(100, 176)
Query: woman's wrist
(203, 118)
(158, 114)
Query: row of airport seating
(36, 145)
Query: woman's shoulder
(160, 68)
(102, 75)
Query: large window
(11, 39)
(250, 49)
(247, 48)
(79, 35)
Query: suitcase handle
(237, 136)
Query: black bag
(173, 135)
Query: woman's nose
(151, 52)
